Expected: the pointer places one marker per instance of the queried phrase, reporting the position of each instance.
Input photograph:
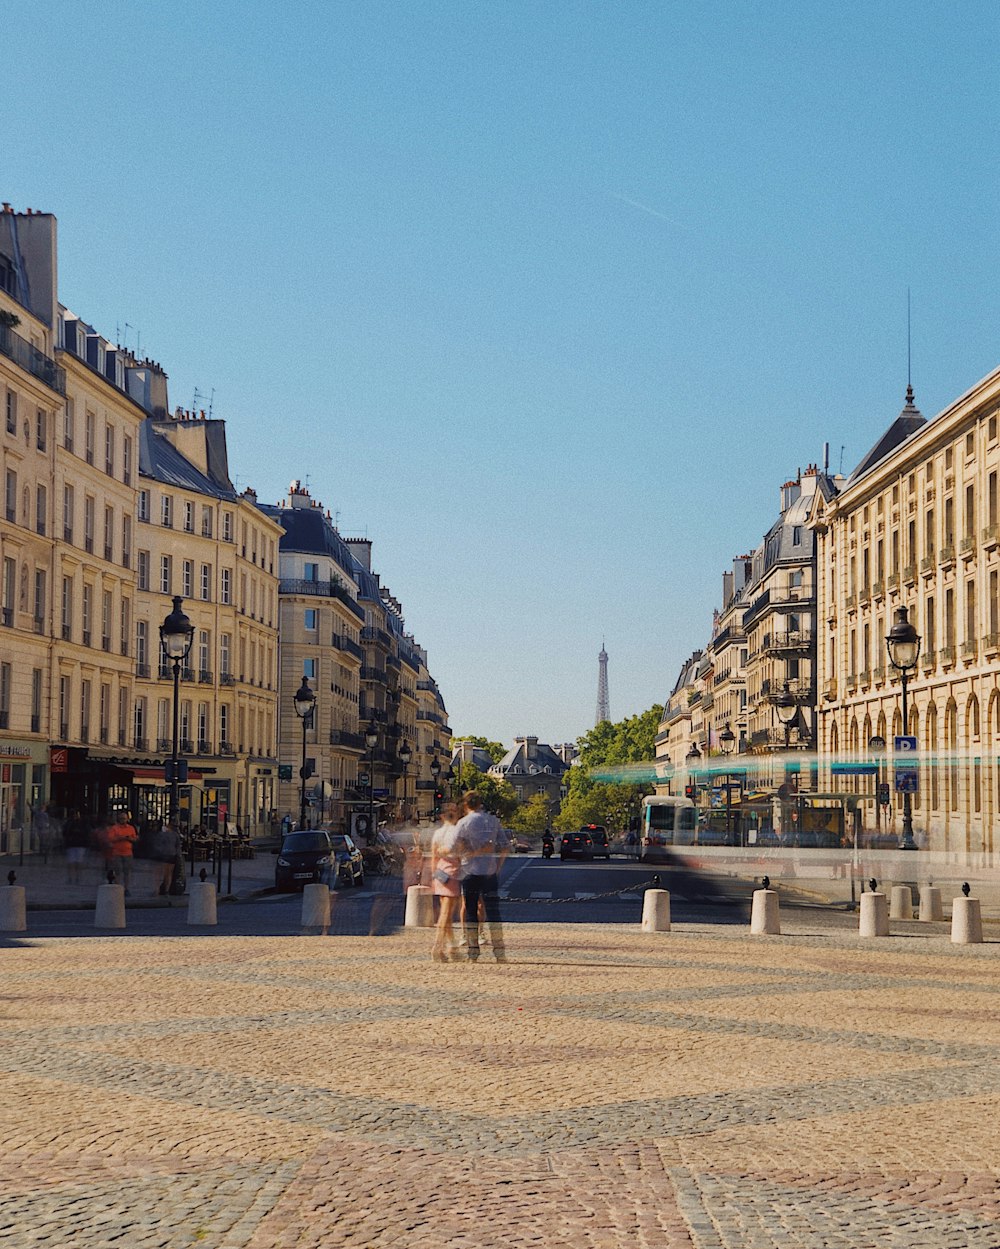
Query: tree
(594, 794)
(533, 816)
(496, 750)
(498, 796)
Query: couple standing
(466, 857)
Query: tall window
(223, 724)
(144, 505)
(187, 578)
(85, 687)
(39, 599)
(69, 423)
(41, 509)
(139, 724)
(37, 677)
(88, 524)
(11, 411)
(167, 511)
(970, 611)
(142, 646)
(127, 460)
(225, 642)
(9, 589)
(41, 429)
(142, 570)
(122, 714)
(64, 694)
(5, 684)
(67, 608)
(206, 522)
(109, 532)
(970, 511)
(109, 450)
(88, 437)
(88, 595)
(203, 743)
(106, 620)
(126, 629)
(225, 589)
(206, 581)
(166, 573)
(126, 541)
(105, 721)
(188, 517)
(10, 496)
(204, 650)
(227, 526)
(69, 504)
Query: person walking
(165, 847)
(76, 842)
(121, 838)
(483, 845)
(446, 869)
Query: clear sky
(547, 299)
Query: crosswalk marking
(542, 895)
(580, 897)
(630, 897)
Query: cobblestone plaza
(697, 1088)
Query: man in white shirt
(483, 845)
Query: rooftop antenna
(841, 469)
(127, 328)
(200, 396)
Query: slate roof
(308, 531)
(545, 757)
(160, 460)
(908, 422)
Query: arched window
(974, 763)
(931, 736)
(951, 746)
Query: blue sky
(546, 299)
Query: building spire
(603, 702)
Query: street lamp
(787, 708)
(435, 770)
(305, 703)
(450, 776)
(405, 755)
(371, 741)
(727, 740)
(903, 644)
(176, 637)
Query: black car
(576, 846)
(350, 864)
(305, 857)
(599, 836)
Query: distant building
(531, 768)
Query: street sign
(364, 780)
(876, 745)
(883, 794)
(381, 793)
(854, 769)
(906, 782)
(904, 745)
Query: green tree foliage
(496, 750)
(533, 816)
(498, 796)
(607, 746)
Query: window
(223, 724)
(105, 713)
(9, 590)
(312, 618)
(88, 441)
(11, 411)
(126, 541)
(85, 711)
(125, 626)
(41, 509)
(991, 498)
(88, 524)
(991, 428)
(69, 422)
(206, 522)
(64, 693)
(142, 645)
(142, 570)
(144, 505)
(67, 608)
(187, 578)
(36, 700)
(122, 715)
(10, 496)
(970, 611)
(309, 669)
(312, 572)
(88, 599)
(167, 511)
(225, 589)
(204, 650)
(127, 460)
(206, 582)
(109, 532)
(69, 504)
(994, 602)
(227, 526)
(166, 574)
(40, 588)
(225, 645)
(970, 445)
(41, 429)
(109, 450)
(188, 517)
(796, 535)
(139, 724)
(106, 620)
(203, 742)
(949, 617)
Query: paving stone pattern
(697, 1090)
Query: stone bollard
(874, 915)
(419, 907)
(202, 905)
(931, 907)
(764, 917)
(966, 921)
(13, 909)
(900, 902)
(656, 910)
(316, 906)
(110, 909)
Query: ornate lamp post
(727, 740)
(371, 741)
(787, 708)
(305, 703)
(435, 770)
(405, 755)
(903, 644)
(177, 637)
(451, 776)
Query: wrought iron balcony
(33, 361)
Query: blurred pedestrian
(76, 840)
(165, 847)
(446, 868)
(121, 838)
(483, 845)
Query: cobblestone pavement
(604, 1089)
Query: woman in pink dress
(446, 866)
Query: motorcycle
(547, 847)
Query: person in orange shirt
(121, 837)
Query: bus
(666, 821)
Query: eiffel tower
(603, 704)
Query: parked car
(305, 857)
(350, 862)
(599, 836)
(576, 846)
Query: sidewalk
(47, 885)
(606, 1089)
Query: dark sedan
(305, 857)
(576, 846)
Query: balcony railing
(967, 547)
(164, 744)
(141, 743)
(142, 671)
(226, 678)
(947, 556)
(204, 676)
(226, 748)
(991, 536)
(342, 643)
(927, 660)
(792, 640)
(909, 573)
(927, 565)
(970, 649)
(892, 581)
(33, 361)
(947, 655)
(991, 642)
(373, 674)
(830, 690)
(341, 737)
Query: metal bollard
(900, 902)
(419, 907)
(202, 903)
(874, 921)
(316, 906)
(109, 911)
(656, 910)
(765, 919)
(931, 908)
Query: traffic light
(689, 791)
(284, 771)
